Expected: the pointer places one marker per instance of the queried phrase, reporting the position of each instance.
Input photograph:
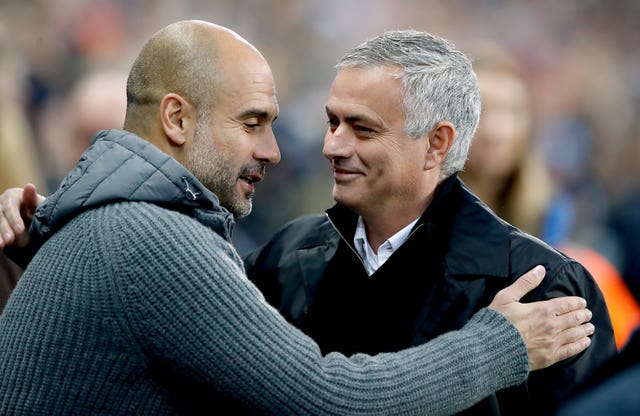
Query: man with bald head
(137, 303)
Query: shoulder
(307, 231)
(136, 217)
(144, 242)
(301, 226)
(484, 244)
(132, 226)
(564, 275)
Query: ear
(440, 141)
(178, 118)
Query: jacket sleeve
(190, 304)
(553, 385)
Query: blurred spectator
(587, 106)
(625, 221)
(95, 101)
(19, 160)
(503, 168)
(98, 101)
(625, 216)
(506, 172)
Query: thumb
(525, 284)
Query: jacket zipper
(353, 250)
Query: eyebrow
(354, 118)
(254, 112)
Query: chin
(336, 196)
(243, 208)
(347, 202)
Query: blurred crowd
(568, 173)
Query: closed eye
(363, 129)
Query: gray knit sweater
(137, 303)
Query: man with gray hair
(409, 252)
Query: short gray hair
(438, 85)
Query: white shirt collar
(372, 261)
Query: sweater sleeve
(190, 304)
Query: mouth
(251, 178)
(343, 171)
(345, 174)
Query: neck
(391, 215)
(380, 226)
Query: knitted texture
(130, 305)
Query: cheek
(389, 157)
(235, 148)
(397, 170)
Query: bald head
(206, 97)
(187, 58)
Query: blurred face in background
(505, 127)
(98, 102)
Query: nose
(338, 143)
(267, 150)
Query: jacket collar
(478, 241)
(120, 166)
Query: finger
(572, 348)
(575, 334)
(6, 232)
(525, 283)
(563, 305)
(11, 200)
(30, 198)
(573, 319)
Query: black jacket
(459, 255)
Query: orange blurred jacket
(623, 308)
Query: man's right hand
(17, 207)
(553, 330)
